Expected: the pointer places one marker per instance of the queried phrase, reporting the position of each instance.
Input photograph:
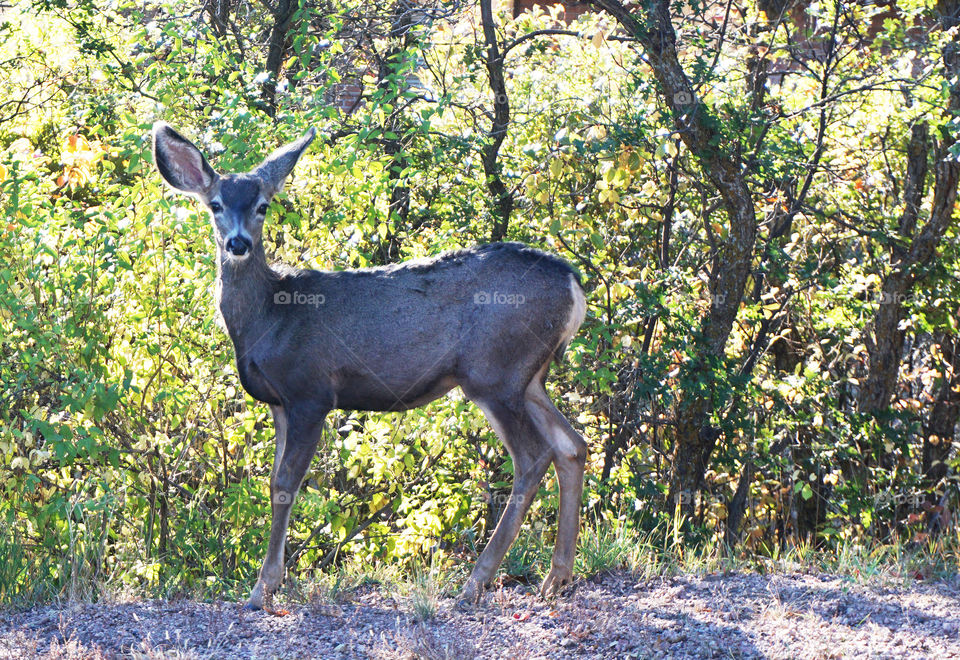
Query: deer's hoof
(255, 602)
(469, 596)
(555, 581)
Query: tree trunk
(918, 248)
(399, 206)
(885, 339)
(502, 197)
(282, 13)
(738, 505)
(939, 429)
(723, 166)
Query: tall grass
(606, 545)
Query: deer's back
(393, 337)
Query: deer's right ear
(180, 163)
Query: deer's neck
(244, 292)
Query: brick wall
(344, 95)
(571, 10)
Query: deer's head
(237, 202)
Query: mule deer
(489, 319)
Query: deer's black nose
(237, 246)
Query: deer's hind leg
(569, 458)
(531, 455)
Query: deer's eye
(216, 208)
(262, 209)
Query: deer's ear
(180, 163)
(277, 166)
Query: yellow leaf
(3, 173)
(74, 177)
(667, 148)
(597, 132)
(76, 143)
(598, 39)
(630, 160)
(21, 148)
(611, 196)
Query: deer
(488, 319)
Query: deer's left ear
(277, 166)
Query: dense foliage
(759, 197)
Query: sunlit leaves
(123, 410)
(78, 157)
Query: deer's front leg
(291, 462)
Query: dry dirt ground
(614, 616)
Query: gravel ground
(614, 616)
